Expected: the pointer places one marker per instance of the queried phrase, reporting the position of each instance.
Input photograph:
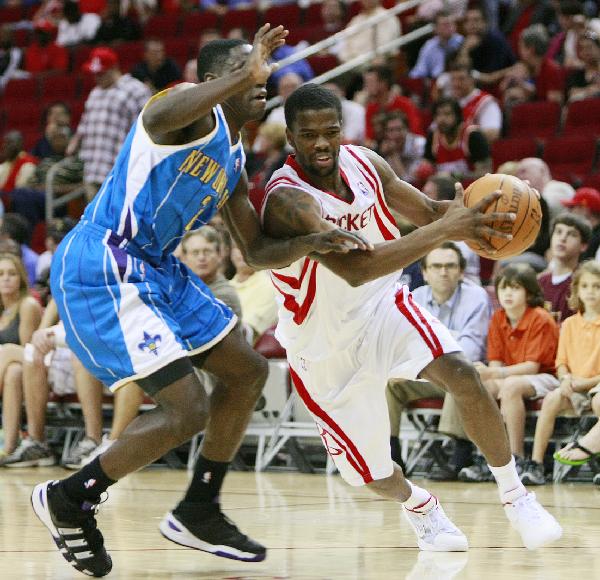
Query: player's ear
(290, 138)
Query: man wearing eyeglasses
(465, 309)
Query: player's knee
(186, 422)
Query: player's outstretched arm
(402, 197)
(290, 210)
(262, 252)
(179, 108)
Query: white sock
(420, 499)
(510, 485)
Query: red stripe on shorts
(354, 457)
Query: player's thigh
(349, 407)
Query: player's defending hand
(338, 240)
(473, 224)
(266, 41)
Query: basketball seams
(523, 220)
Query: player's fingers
(458, 192)
(361, 243)
(498, 216)
(487, 201)
(491, 232)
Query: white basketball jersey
(319, 312)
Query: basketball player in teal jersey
(133, 312)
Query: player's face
(251, 104)
(9, 278)
(511, 297)
(589, 291)
(566, 242)
(202, 257)
(443, 271)
(316, 136)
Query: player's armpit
(402, 197)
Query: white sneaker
(536, 526)
(104, 445)
(435, 532)
(438, 565)
(80, 453)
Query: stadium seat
(591, 181)
(540, 118)
(312, 14)
(583, 117)
(24, 115)
(162, 26)
(414, 88)
(287, 15)
(269, 346)
(19, 90)
(80, 55)
(22, 37)
(570, 157)
(505, 150)
(9, 14)
(322, 63)
(59, 87)
(193, 24)
(178, 49)
(246, 19)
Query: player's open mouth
(261, 96)
(323, 160)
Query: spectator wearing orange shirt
(378, 81)
(522, 343)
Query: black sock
(207, 481)
(463, 454)
(88, 483)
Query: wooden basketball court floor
(315, 526)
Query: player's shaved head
(213, 57)
(310, 97)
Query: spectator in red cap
(110, 109)
(43, 54)
(586, 203)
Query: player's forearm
(359, 267)
(267, 253)
(182, 108)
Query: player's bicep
(290, 212)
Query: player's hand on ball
(463, 223)
(339, 240)
(266, 40)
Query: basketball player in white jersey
(348, 326)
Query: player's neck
(514, 315)
(333, 183)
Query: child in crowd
(578, 370)
(522, 342)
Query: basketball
(518, 198)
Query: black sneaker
(205, 527)
(73, 528)
(533, 474)
(476, 473)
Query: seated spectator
(20, 315)
(486, 48)
(10, 57)
(572, 22)
(333, 20)
(584, 83)
(478, 107)
(116, 27)
(465, 309)
(586, 203)
(578, 371)
(382, 98)
(432, 56)
(74, 27)
(441, 188)
(524, 13)
(569, 239)
(369, 37)
(454, 148)
(402, 149)
(18, 165)
(16, 228)
(269, 152)
(534, 77)
(48, 11)
(300, 67)
(353, 116)
(43, 54)
(58, 113)
(157, 70)
(257, 296)
(286, 85)
(221, 7)
(521, 351)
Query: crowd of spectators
(438, 111)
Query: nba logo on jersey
(363, 188)
(150, 343)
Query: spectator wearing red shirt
(378, 81)
(43, 54)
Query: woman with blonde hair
(20, 315)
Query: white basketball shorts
(346, 393)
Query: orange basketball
(518, 198)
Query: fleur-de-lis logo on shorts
(151, 343)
